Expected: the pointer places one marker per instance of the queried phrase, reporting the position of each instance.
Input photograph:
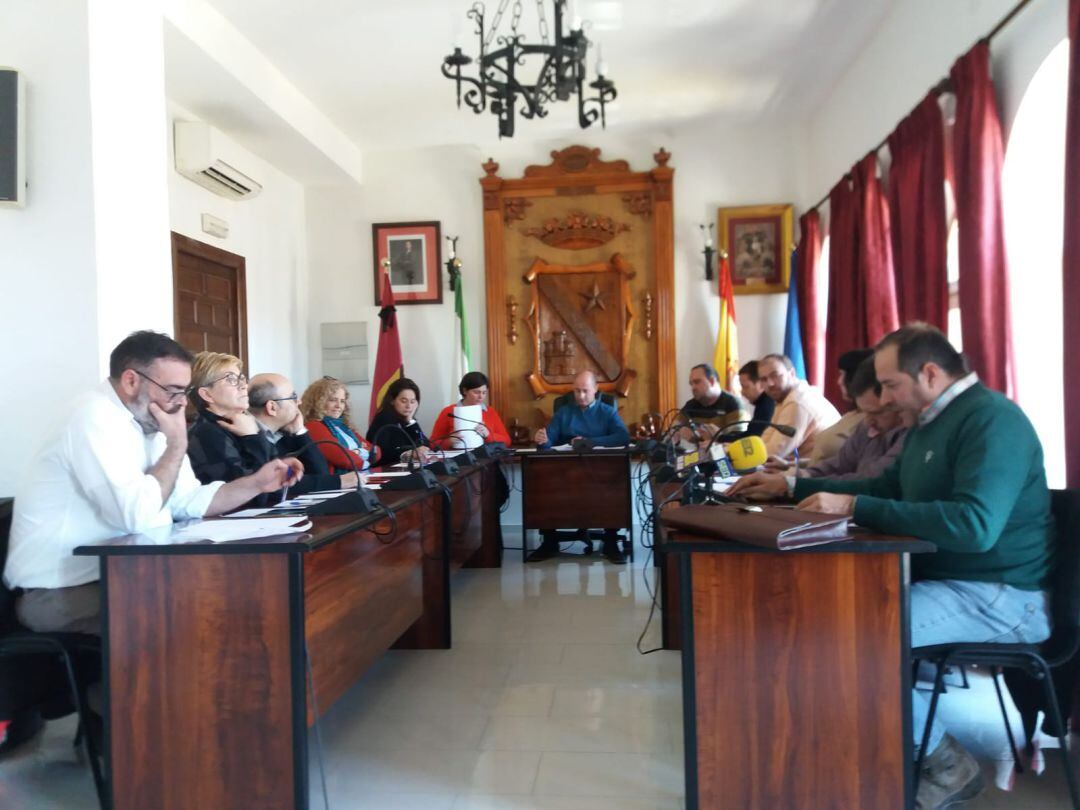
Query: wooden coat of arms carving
(581, 318)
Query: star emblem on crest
(594, 298)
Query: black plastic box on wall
(12, 139)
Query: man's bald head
(584, 388)
(263, 388)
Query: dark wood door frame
(237, 263)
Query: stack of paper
(222, 531)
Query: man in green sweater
(970, 479)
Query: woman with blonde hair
(325, 407)
(224, 441)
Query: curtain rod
(943, 86)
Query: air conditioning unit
(197, 156)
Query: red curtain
(875, 254)
(809, 271)
(984, 281)
(1071, 269)
(845, 304)
(917, 206)
(862, 292)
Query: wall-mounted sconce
(453, 264)
(709, 250)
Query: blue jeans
(950, 610)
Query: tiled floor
(543, 704)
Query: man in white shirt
(116, 465)
(797, 404)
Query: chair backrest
(568, 398)
(1065, 504)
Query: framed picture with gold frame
(758, 240)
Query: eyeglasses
(290, 398)
(231, 378)
(173, 392)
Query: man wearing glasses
(273, 401)
(117, 465)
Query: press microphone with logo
(747, 454)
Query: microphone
(582, 444)
(486, 449)
(418, 477)
(747, 454)
(360, 502)
(787, 430)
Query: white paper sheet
(466, 418)
(222, 531)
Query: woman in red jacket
(474, 390)
(325, 406)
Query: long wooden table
(217, 657)
(796, 679)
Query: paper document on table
(562, 447)
(467, 418)
(609, 447)
(447, 453)
(222, 531)
(385, 474)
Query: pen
(288, 478)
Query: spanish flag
(726, 356)
(388, 365)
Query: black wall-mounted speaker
(12, 138)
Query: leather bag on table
(772, 527)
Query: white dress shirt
(805, 409)
(89, 483)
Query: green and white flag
(462, 361)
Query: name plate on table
(765, 526)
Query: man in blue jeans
(970, 479)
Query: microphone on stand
(486, 449)
(361, 502)
(464, 457)
(418, 477)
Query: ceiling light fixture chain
(562, 70)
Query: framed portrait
(413, 251)
(758, 240)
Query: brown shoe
(950, 775)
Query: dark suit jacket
(218, 455)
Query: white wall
(127, 107)
(714, 166)
(48, 318)
(269, 232)
(914, 48)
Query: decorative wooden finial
(491, 167)
(662, 157)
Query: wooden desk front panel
(490, 553)
(361, 592)
(466, 518)
(199, 668)
(576, 491)
(798, 683)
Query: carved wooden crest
(577, 231)
(581, 318)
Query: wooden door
(209, 298)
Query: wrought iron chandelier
(500, 85)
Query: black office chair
(1036, 660)
(45, 675)
(568, 398)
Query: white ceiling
(372, 66)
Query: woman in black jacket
(394, 430)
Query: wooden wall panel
(640, 221)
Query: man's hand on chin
(829, 503)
